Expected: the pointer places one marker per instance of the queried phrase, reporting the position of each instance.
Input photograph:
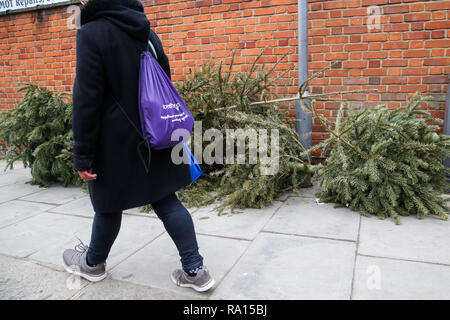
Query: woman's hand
(87, 175)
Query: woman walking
(109, 42)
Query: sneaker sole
(84, 275)
(193, 286)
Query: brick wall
(35, 47)
(407, 51)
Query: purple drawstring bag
(161, 111)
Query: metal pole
(447, 129)
(303, 126)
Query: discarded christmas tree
(38, 132)
(386, 162)
(223, 100)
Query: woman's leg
(105, 229)
(178, 223)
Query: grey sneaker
(201, 282)
(74, 261)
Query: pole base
(307, 183)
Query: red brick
(416, 53)
(334, 4)
(375, 37)
(336, 22)
(437, 25)
(417, 17)
(356, 47)
(395, 9)
(416, 35)
(435, 79)
(437, 43)
(437, 5)
(436, 34)
(437, 62)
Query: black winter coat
(108, 43)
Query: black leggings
(176, 219)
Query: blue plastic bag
(196, 171)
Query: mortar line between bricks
(404, 260)
(307, 236)
(354, 261)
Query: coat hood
(128, 15)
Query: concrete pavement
(294, 249)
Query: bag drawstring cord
(146, 165)
(144, 140)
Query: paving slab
(21, 170)
(308, 192)
(83, 207)
(303, 216)
(289, 267)
(11, 178)
(412, 260)
(56, 194)
(24, 280)
(137, 212)
(244, 225)
(17, 168)
(424, 240)
(380, 278)
(79, 207)
(45, 236)
(43, 231)
(153, 265)
(135, 232)
(17, 190)
(16, 210)
(110, 289)
(16, 171)
(283, 197)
